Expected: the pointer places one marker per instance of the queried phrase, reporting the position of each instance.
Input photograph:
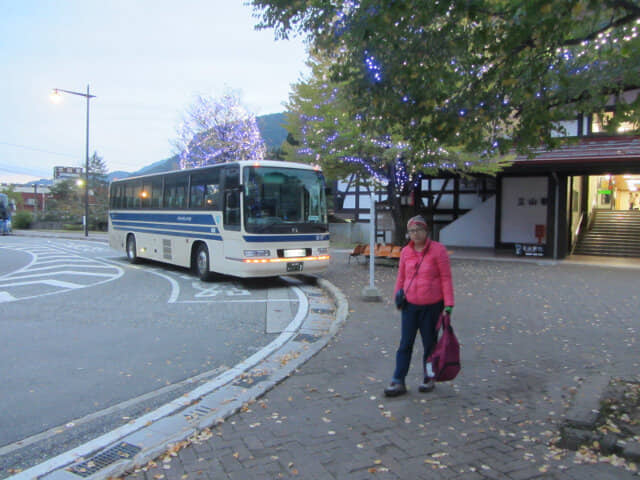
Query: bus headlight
(295, 252)
(257, 253)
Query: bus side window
(175, 192)
(211, 197)
(181, 196)
(197, 196)
(128, 196)
(145, 195)
(205, 188)
(156, 193)
(113, 196)
(232, 210)
(137, 195)
(169, 193)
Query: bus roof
(240, 163)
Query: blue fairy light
(373, 66)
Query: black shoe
(395, 389)
(427, 386)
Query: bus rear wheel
(132, 253)
(201, 263)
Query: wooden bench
(382, 251)
(357, 252)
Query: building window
(599, 124)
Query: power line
(22, 170)
(34, 149)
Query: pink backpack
(445, 356)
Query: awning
(586, 150)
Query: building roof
(586, 150)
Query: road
(90, 342)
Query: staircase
(614, 233)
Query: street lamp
(55, 95)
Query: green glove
(448, 310)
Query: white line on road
(61, 272)
(52, 432)
(49, 281)
(6, 297)
(172, 407)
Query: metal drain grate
(321, 310)
(306, 338)
(251, 379)
(112, 455)
(193, 415)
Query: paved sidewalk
(532, 333)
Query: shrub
(73, 226)
(22, 220)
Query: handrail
(575, 244)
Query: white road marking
(65, 272)
(6, 297)
(50, 262)
(46, 281)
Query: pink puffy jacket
(433, 281)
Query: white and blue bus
(245, 219)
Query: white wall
(474, 229)
(524, 205)
(571, 127)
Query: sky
(144, 60)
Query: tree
(322, 130)
(472, 77)
(97, 172)
(99, 185)
(14, 196)
(218, 130)
(66, 203)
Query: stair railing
(578, 233)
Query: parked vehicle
(7, 207)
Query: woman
(424, 274)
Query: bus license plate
(294, 266)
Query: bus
(7, 206)
(244, 219)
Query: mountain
(117, 174)
(45, 182)
(271, 128)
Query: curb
(208, 405)
(580, 425)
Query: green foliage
(323, 130)
(72, 226)
(22, 220)
(99, 186)
(479, 77)
(13, 196)
(66, 202)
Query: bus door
(231, 217)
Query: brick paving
(531, 335)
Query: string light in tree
(217, 131)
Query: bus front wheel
(202, 263)
(132, 253)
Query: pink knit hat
(417, 221)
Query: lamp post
(56, 94)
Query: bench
(388, 251)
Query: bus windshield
(279, 200)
